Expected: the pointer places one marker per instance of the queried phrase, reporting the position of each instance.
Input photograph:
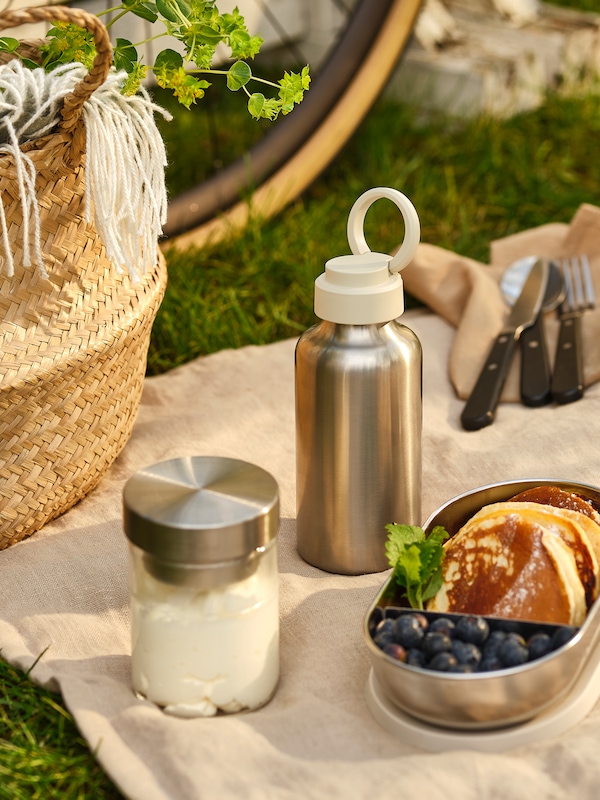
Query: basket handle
(73, 102)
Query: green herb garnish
(417, 560)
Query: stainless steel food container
(486, 700)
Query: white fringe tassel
(125, 162)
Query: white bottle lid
(365, 288)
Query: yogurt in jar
(203, 584)
(199, 652)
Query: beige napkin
(466, 293)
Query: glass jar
(203, 582)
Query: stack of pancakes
(534, 557)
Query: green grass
(471, 181)
(42, 754)
(581, 5)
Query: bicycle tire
(286, 161)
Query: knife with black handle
(480, 408)
(536, 370)
(536, 375)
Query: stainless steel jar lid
(201, 510)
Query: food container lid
(201, 510)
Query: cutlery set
(533, 286)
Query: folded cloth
(466, 293)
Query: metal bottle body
(358, 442)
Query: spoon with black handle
(536, 375)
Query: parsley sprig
(417, 560)
(200, 28)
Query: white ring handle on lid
(412, 227)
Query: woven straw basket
(73, 346)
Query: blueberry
(422, 620)
(496, 637)
(435, 642)
(513, 651)
(374, 619)
(442, 662)
(489, 663)
(562, 635)
(408, 631)
(384, 633)
(472, 629)
(466, 653)
(415, 658)
(540, 644)
(382, 640)
(516, 638)
(492, 644)
(385, 626)
(442, 625)
(466, 668)
(395, 651)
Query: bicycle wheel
(296, 150)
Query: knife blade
(480, 408)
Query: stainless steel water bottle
(358, 381)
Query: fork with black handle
(567, 380)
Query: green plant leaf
(207, 34)
(261, 106)
(238, 75)
(186, 88)
(434, 585)
(168, 59)
(27, 62)
(201, 54)
(165, 9)
(417, 560)
(124, 55)
(146, 11)
(243, 45)
(185, 7)
(66, 43)
(291, 89)
(200, 28)
(256, 103)
(399, 538)
(8, 44)
(233, 21)
(134, 79)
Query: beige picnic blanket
(466, 293)
(63, 593)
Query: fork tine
(579, 288)
(568, 379)
(577, 284)
(590, 295)
(569, 295)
